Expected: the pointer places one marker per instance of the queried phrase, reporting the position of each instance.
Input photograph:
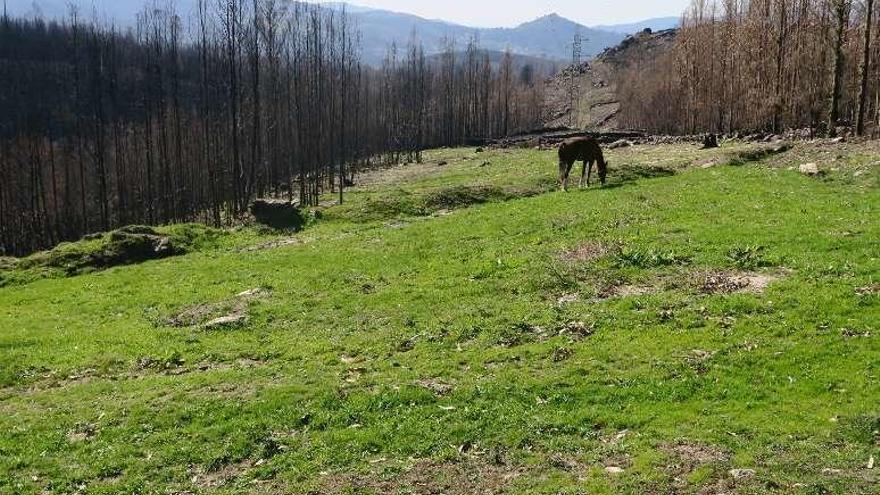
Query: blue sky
(508, 13)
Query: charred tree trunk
(864, 68)
(841, 11)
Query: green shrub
(649, 258)
(748, 257)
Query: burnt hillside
(596, 82)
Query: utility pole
(573, 83)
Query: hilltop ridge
(597, 81)
(549, 36)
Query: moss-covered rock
(124, 246)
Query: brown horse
(581, 149)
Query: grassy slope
(320, 387)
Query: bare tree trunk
(865, 68)
(841, 10)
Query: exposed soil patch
(850, 333)
(397, 224)
(724, 282)
(146, 367)
(242, 363)
(194, 315)
(692, 455)
(561, 354)
(736, 282)
(719, 487)
(274, 244)
(698, 360)
(218, 315)
(568, 299)
(354, 374)
(617, 464)
(351, 359)
(614, 438)
(223, 476)
(870, 290)
(585, 253)
(567, 463)
(436, 386)
(577, 330)
(467, 477)
(623, 290)
(82, 432)
(686, 457)
(708, 162)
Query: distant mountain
(657, 24)
(549, 37)
(350, 8)
(381, 28)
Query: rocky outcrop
(134, 244)
(598, 105)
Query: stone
(742, 474)
(810, 169)
(621, 143)
(226, 322)
(252, 294)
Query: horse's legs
(589, 167)
(564, 171)
(583, 174)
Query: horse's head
(603, 171)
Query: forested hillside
(762, 65)
(190, 118)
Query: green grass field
(692, 327)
